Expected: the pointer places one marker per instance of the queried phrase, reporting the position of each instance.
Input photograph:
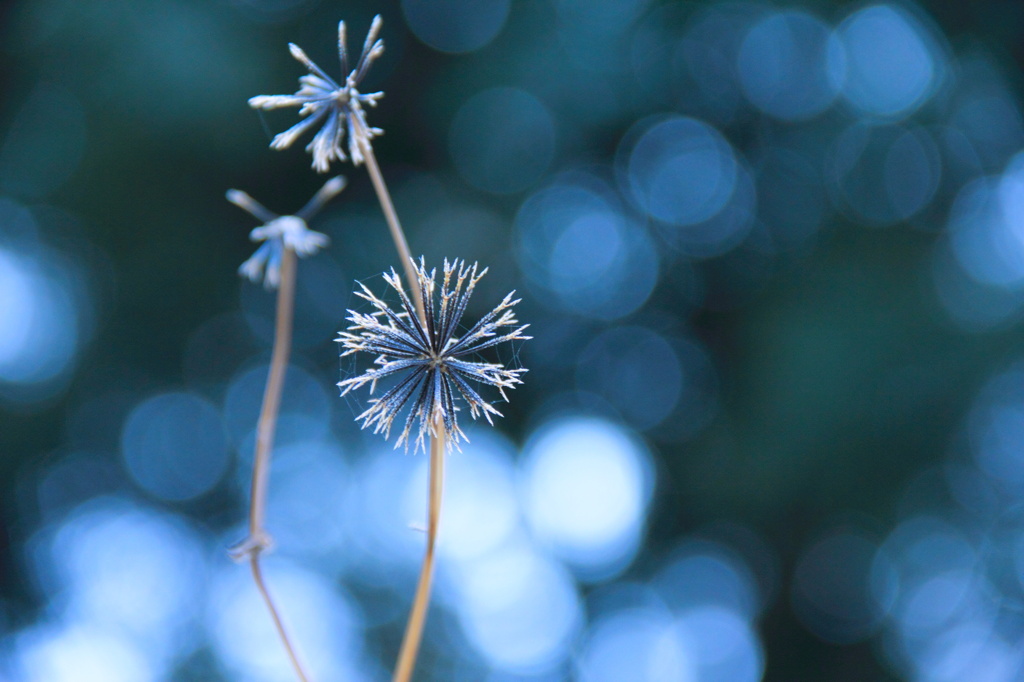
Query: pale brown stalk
(421, 600)
(395, 227)
(418, 615)
(257, 575)
(259, 539)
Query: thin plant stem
(259, 539)
(418, 615)
(395, 227)
(421, 600)
(267, 424)
(257, 576)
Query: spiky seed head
(278, 233)
(335, 107)
(429, 363)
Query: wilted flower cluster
(325, 102)
(430, 361)
(279, 232)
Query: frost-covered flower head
(280, 232)
(332, 106)
(430, 362)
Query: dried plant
(419, 340)
(430, 359)
(284, 239)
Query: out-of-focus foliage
(773, 260)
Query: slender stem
(395, 227)
(267, 424)
(259, 539)
(257, 575)
(418, 614)
(421, 600)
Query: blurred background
(773, 259)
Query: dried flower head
(336, 107)
(431, 361)
(280, 232)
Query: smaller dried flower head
(332, 106)
(280, 232)
(430, 361)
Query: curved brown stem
(257, 576)
(266, 427)
(259, 540)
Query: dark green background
(841, 376)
